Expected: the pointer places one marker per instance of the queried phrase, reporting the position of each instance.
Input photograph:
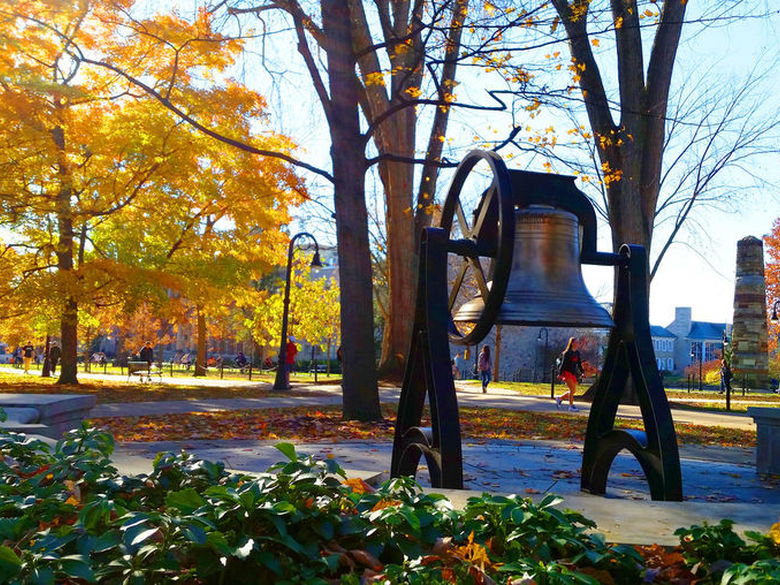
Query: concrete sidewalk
(713, 489)
(717, 482)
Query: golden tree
(106, 190)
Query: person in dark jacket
(570, 371)
(147, 353)
(725, 375)
(28, 352)
(54, 355)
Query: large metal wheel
(481, 239)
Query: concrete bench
(767, 439)
(144, 371)
(45, 414)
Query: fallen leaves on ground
(305, 424)
(665, 565)
(114, 391)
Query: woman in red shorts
(571, 368)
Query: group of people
(569, 371)
(27, 355)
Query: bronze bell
(545, 283)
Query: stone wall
(749, 334)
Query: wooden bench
(143, 370)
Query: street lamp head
(774, 311)
(316, 262)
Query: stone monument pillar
(749, 358)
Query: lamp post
(281, 383)
(725, 385)
(701, 359)
(691, 375)
(544, 353)
(775, 309)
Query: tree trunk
(87, 342)
(359, 383)
(65, 273)
(398, 179)
(497, 361)
(46, 370)
(200, 354)
(118, 348)
(395, 136)
(69, 337)
(631, 151)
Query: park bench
(143, 370)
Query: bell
(545, 282)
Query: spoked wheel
(481, 231)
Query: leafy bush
(718, 555)
(68, 517)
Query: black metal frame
(630, 357)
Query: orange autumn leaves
(325, 424)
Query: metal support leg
(429, 372)
(630, 353)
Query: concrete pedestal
(56, 413)
(767, 439)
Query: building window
(659, 364)
(695, 352)
(709, 351)
(669, 364)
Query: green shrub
(68, 517)
(719, 555)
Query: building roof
(658, 331)
(706, 331)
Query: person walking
(570, 370)
(28, 352)
(485, 364)
(725, 376)
(54, 356)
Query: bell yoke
(522, 248)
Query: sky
(701, 277)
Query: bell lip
(590, 323)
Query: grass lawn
(325, 423)
(214, 373)
(116, 391)
(694, 400)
